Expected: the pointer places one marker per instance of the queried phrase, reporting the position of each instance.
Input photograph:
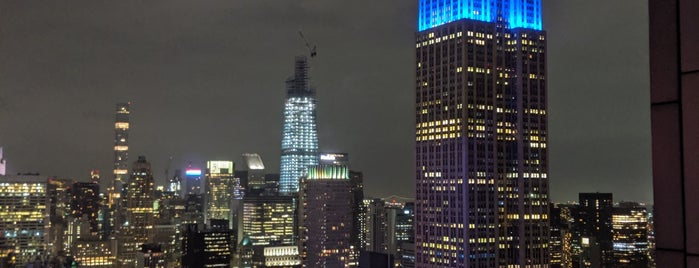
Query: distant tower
(300, 137)
(3, 165)
(121, 147)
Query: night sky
(206, 81)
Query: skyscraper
(24, 218)
(300, 137)
(219, 190)
(138, 226)
(595, 221)
(325, 215)
(630, 235)
(121, 145)
(192, 180)
(481, 134)
(85, 202)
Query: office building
(560, 242)
(256, 171)
(269, 220)
(358, 213)
(211, 247)
(325, 215)
(357, 188)
(93, 253)
(389, 225)
(150, 256)
(595, 221)
(194, 209)
(674, 78)
(300, 134)
(481, 134)
(138, 226)
(24, 218)
(193, 180)
(220, 185)
(59, 194)
(85, 201)
(630, 235)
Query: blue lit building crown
(514, 13)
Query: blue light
(517, 13)
(193, 172)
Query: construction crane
(312, 51)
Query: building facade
(139, 221)
(300, 134)
(595, 221)
(121, 149)
(674, 79)
(211, 247)
(325, 215)
(24, 219)
(269, 220)
(220, 184)
(630, 235)
(481, 134)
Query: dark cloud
(206, 79)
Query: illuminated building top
(254, 161)
(219, 167)
(328, 172)
(515, 13)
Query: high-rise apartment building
(325, 215)
(481, 134)
(300, 134)
(121, 147)
(24, 218)
(219, 190)
(138, 226)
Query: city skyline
(144, 78)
